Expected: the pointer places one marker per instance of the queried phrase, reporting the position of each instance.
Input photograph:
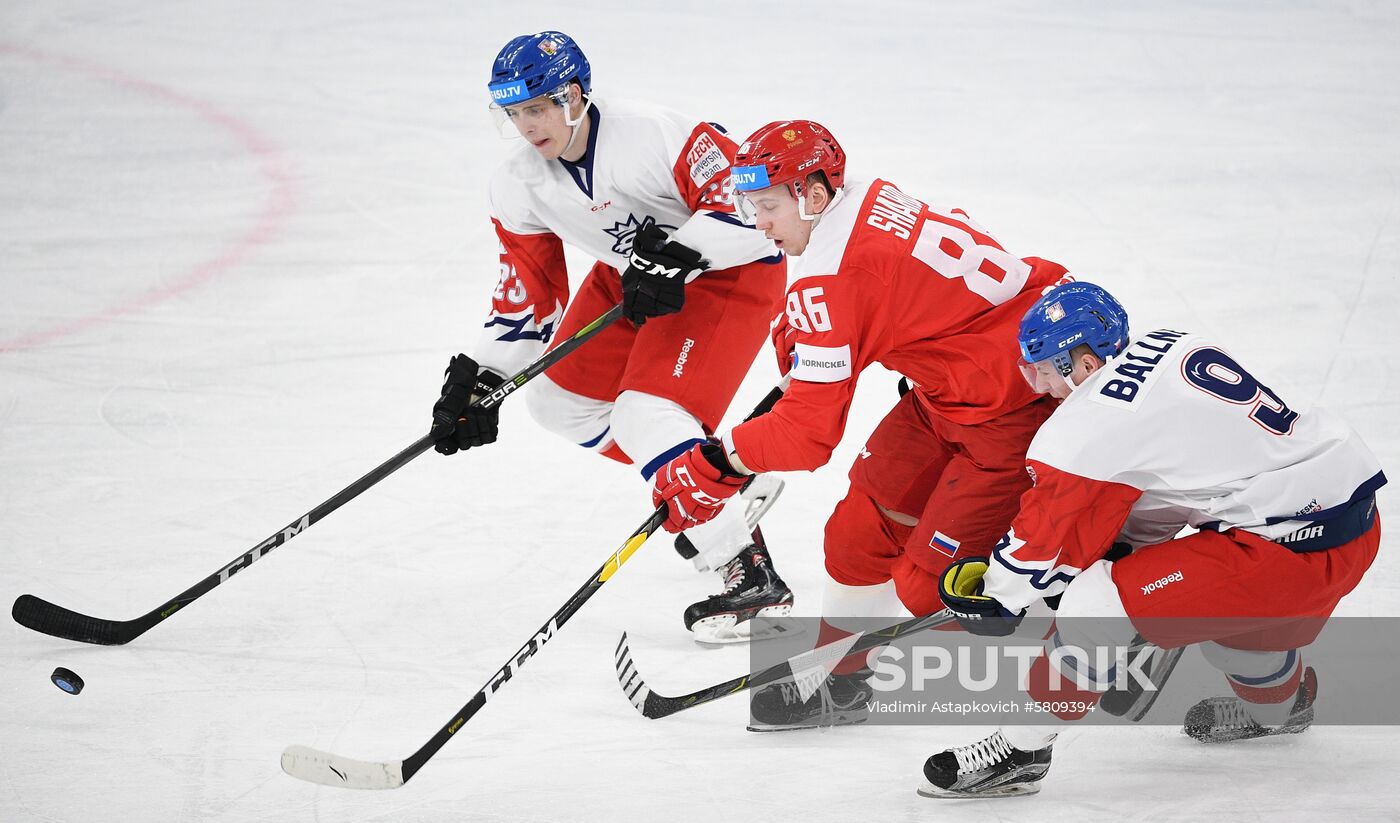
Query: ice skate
(840, 700)
(991, 767)
(752, 589)
(1225, 719)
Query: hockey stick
(329, 769)
(1132, 701)
(803, 666)
(42, 616)
(760, 491)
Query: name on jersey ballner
(895, 212)
(1137, 364)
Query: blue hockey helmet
(536, 64)
(1071, 315)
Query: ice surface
(239, 240)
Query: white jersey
(1171, 433)
(644, 164)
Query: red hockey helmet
(786, 152)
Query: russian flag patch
(944, 543)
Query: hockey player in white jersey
(1159, 432)
(644, 190)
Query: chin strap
(573, 135)
(816, 218)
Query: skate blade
(1218, 738)
(838, 720)
(725, 629)
(1214, 737)
(1013, 790)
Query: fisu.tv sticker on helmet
(505, 93)
(821, 364)
(749, 178)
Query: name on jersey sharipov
(895, 212)
(1137, 363)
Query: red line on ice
(270, 162)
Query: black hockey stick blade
(654, 706)
(315, 766)
(1133, 702)
(51, 619)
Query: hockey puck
(67, 680)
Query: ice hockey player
(881, 277)
(1156, 433)
(644, 191)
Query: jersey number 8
(990, 272)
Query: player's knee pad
(576, 418)
(861, 543)
(652, 429)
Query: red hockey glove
(694, 486)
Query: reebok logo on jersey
(820, 364)
(1174, 577)
(685, 355)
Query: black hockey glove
(960, 587)
(654, 283)
(456, 424)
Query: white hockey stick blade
(314, 766)
(759, 495)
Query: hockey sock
(1265, 680)
(1029, 738)
(1058, 690)
(843, 607)
(1269, 699)
(614, 452)
(721, 539)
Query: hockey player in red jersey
(1159, 432)
(643, 190)
(880, 277)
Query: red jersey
(888, 279)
